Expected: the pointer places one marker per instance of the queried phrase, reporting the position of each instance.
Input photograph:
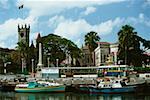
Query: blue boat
(38, 87)
(114, 86)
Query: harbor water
(72, 96)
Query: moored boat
(40, 87)
(109, 86)
(8, 86)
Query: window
(22, 34)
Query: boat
(33, 87)
(107, 86)
(8, 86)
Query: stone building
(114, 52)
(85, 61)
(23, 34)
(106, 52)
(101, 53)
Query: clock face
(22, 34)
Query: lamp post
(5, 64)
(22, 66)
(57, 62)
(48, 62)
(32, 65)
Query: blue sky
(72, 19)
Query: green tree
(129, 46)
(32, 55)
(146, 45)
(15, 62)
(4, 57)
(23, 50)
(56, 47)
(91, 40)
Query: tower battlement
(20, 27)
(23, 33)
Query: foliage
(129, 46)
(15, 62)
(23, 50)
(146, 43)
(56, 47)
(4, 57)
(91, 40)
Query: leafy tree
(91, 40)
(15, 62)
(4, 57)
(32, 55)
(146, 43)
(56, 47)
(129, 46)
(23, 50)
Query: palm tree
(129, 46)
(23, 49)
(91, 40)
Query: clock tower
(23, 34)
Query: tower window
(22, 34)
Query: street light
(32, 65)
(49, 55)
(5, 64)
(48, 62)
(22, 66)
(57, 62)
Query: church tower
(23, 34)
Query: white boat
(107, 86)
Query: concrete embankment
(75, 81)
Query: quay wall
(7, 77)
(66, 81)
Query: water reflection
(7, 96)
(72, 96)
(40, 96)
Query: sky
(73, 19)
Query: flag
(20, 7)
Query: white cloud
(141, 19)
(8, 30)
(49, 7)
(54, 21)
(74, 29)
(141, 16)
(79, 42)
(4, 44)
(89, 10)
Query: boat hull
(106, 90)
(41, 89)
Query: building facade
(114, 52)
(85, 60)
(101, 53)
(23, 34)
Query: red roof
(103, 43)
(148, 54)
